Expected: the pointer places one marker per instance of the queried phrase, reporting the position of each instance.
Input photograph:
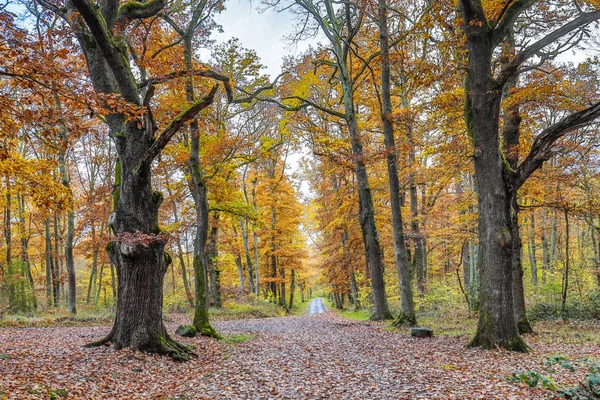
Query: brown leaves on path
(307, 357)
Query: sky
(263, 32)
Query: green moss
(109, 246)
(157, 197)
(168, 258)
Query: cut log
(421, 332)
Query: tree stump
(421, 332)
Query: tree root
(177, 351)
(516, 344)
(208, 331)
(166, 346)
(100, 342)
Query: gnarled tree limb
(207, 73)
(543, 145)
(137, 10)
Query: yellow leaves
(34, 178)
(594, 3)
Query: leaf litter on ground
(300, 357)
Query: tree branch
(254, 95)
(543, 145)
(177, 123)
(315, 105)
(508, 16)
(136, 10)
(207, 73)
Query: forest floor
(324, 356)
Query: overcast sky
(263, 32)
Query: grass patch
(234, 339)
(58, 319)
(359, 315)
(570, 332)
(255, 308)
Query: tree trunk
(244, 226)
(25, 250)
(523, 324)
(50, 295)
(419, 257)
(95, 253)
(245, 232)
(497, 322)
(553, 245)
(545, 247)
(408, 312)
(57, 261)
(64, 174)
(466, 261)
(532, 251)
(238, 259)
(198, 188)
(474, 272)
(113, 282)
(12, 276)
(255, 240)
(273, 256)
(292, 289)
(100, 286)
(212, 254)
(565, 280)
(282, 295)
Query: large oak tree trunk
(497, 323)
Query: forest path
(323, 356)
(316, 306)
(326, 356)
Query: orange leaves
(113, 103)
